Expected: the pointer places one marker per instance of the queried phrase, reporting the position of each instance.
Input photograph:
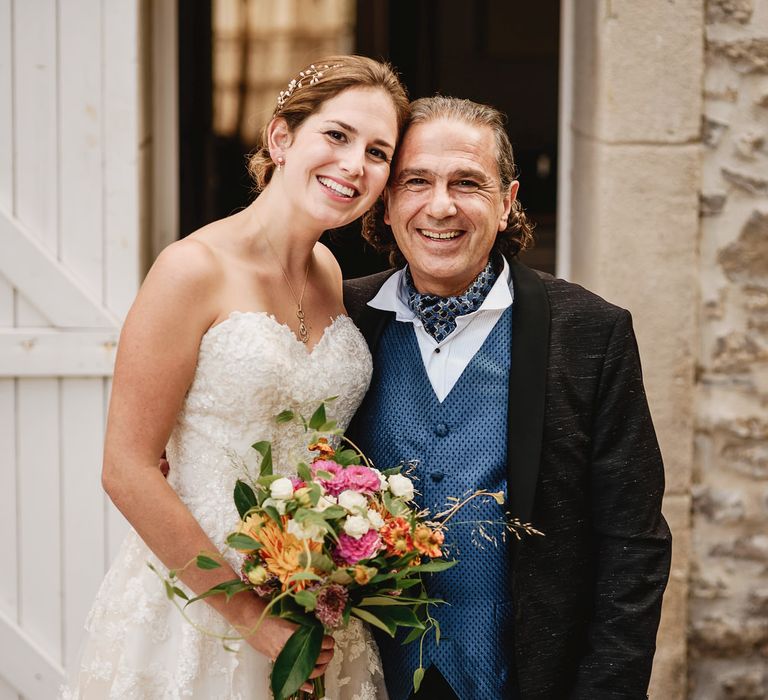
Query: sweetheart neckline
(233, 315)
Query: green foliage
(307, 599)
(226, 588)
(205, 562)
(318, 419)
(241, 541)
(285, 417)
(418, 676)
(264, 448)
(296, 660)
(245, 498)
(347, 457)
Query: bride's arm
(156, 360)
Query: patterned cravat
(438, 314)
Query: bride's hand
(272, 636)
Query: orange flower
(396, 534)
(281, 552)
(322, 446)
(428, 541)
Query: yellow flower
(281, 552)
(428, 541)
(363, 574)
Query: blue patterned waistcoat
(461, 446)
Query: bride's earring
(280, 161)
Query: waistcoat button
(441, 430)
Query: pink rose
(349, 551)
(337, 483)
(362, 479)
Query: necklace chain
(303, 332)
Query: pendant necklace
(303, 332)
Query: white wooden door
(70, 154)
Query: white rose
(382, 479)
(356, 526)
(281, 489)
(375, 519)
(401, 486)
(305, 531)
(277, 505)
(324, 502)
(352, 500)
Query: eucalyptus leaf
(304, 472)
(285, 416)
(271, 511)
(412, 636)
(432, 566)
(327, 426)
(418, 676)
(347, 457)
(242, 542)
(205, 562)
(304, 576)
(264, 448)
(245, 498)
(180, 593)
(318, 418)
(296, 661)
(306, 599)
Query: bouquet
(338, 539)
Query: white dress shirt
(445, 361)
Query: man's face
(445, 204)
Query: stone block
(746, 259)
(729, 11)
(750, 684)
(745, 55)
(719, 506)
(635, 239)
(722, 636)
(627, 91)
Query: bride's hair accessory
(311, 75)
(303, 332)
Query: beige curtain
(259, 45)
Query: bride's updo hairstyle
(321, 81)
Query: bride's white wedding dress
(138, 646)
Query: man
(494, 376)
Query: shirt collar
(393, 295)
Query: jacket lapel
(527, 388)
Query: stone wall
(728, 629)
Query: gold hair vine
(312, 73)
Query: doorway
(491, 51)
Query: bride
(233, 324)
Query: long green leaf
(400, 616)
(386, 624)
(296, 661)
(436, 565)
(245, 498)
(264, 448)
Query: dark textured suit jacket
(584, 467)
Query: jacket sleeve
(632, 543)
